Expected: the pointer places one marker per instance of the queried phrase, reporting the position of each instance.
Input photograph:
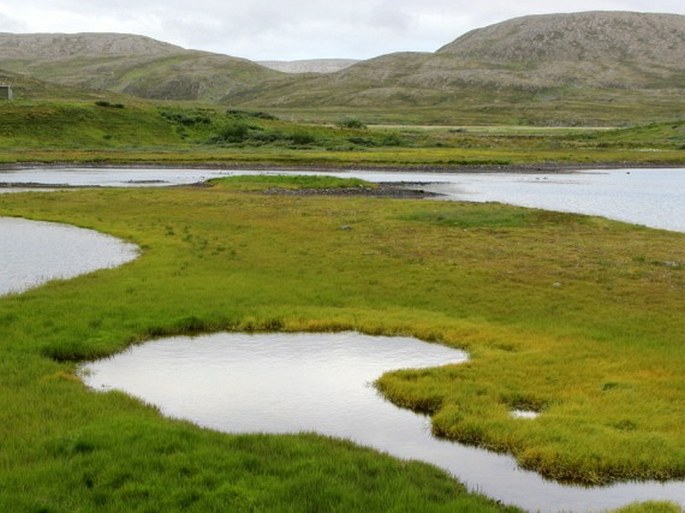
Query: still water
(652, 197)
(12, 179)
(287, 383)
(33, 252)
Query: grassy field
(578, 318)
(112, 132)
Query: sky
(294, 29)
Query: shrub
(186, 118)
(105, 103)
(232, 132)
(353, 123)
(247, 114)
(302, 138)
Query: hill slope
(597, 36)
(594, 67)
(128, 64)
(26, 87)
(608, 49)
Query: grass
(67, 131)
(295, 182)
(577, 317)
(651, 507)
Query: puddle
(524, 414)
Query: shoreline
(465, 169)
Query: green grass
(577, 317)
(62, 131)
(293, 182)
(651, 507)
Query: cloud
(8, 24)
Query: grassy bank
(117, 133)
(578, 318)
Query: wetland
(518, 289)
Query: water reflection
(285, 383)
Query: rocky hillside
(128, 64)
(606, 49)
(40, 47)
(589, 36)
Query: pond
(35, 252)
(287, 383)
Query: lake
(652, 197)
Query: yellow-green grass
(651, 507)
(577, 317)
(382, 158)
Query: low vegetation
(115, 131)
(291, 183)
(576, 317)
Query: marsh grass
(294, 182)
(577, 317)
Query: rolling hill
(129, 64)
(588, 68)
(598, 49)
(584, 68)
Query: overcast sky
(294, 29)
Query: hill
(583, 68)
(592, 68)
(129, 64)
(26, 87)
(608, 49)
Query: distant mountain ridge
(130, 64)
(309, 65)
(61, 46)
(634, 60)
